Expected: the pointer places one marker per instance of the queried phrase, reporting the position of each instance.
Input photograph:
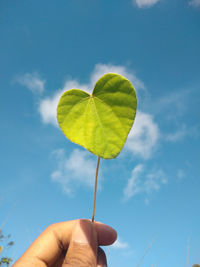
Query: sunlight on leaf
(99, 122)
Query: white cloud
(171, 106)
(194, 3)
(47, 107)
(133, 185)
(178, 135)
(143, 136)
(120, 244)
(182, 133)
(73, 171)
(145, 3)
(101, 69)
(154, 180)
(181, 174)
(32, 81)
(145, 184)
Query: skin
(70, 244)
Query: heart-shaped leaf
(100, 122)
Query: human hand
(70, 244)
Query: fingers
(48, 247)
(101, 258)
(83, 246)
(106, 234)
(53, 243)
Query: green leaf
(100, 122)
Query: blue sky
(150, 192)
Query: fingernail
(81, 234)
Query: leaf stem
(95, 189)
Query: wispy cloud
(32, 81)
(154, 180)
(181, 133)
(145, 3)
(120, 244)
(171, 106)
(181, 174)
(133, 185)
(143, 136)
(73, 171)
(172, 109)
(178, 135)
(194, 3)
(144, 183)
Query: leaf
(6, 260)
(100, 121)
(10, 244)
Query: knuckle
(75, 262)
(81, 256)
(102, 261)
(101, 252)
(51, 227)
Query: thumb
(83, 246)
